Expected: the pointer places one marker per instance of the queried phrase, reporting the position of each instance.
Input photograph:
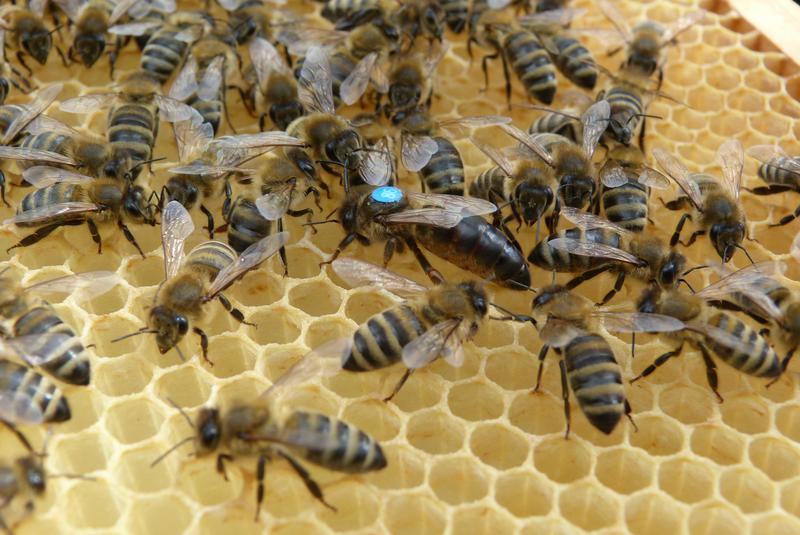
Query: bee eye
(182, 323)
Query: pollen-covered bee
(781, 173)
(568, 323)
(194, 279)
(23, 32)
(92, 20)
(273, 89)
(715, 202)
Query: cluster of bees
(301, 81)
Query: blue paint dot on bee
(387, 194)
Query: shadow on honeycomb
(470, 450)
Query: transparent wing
(185, 84)
(262, 139)
(19, 408)
(730, 157)
(682, 24)
(498, 4)
(768, 154)
(529, 142)
(561, 17)
(376, 168)
(467, 206)
(435, 217)
(443, 339)
(416, 151)
(38, 7)
(211, 82)
(558, 333)
(653, 179)
(34, 155)
(87, 103)
(680, 175)
(745, 281)
(40, 103)
(638, 322)
(596, 250)
(726, 339)
(615, 17)
(300, 40)
(207, 169)
(353, 87)
(266, 58)
(473, 121)
(119, 10)
(46, 214)
(176, 226)
(357, 273)
(70, 7)
(594, 121)
(585, 220)
(613, 176)
(432, 58)
(41, 176)
(44, 124)
(134, 29)
(82, 286)
(192, 136)
(230, 5)
(317, 80)
(274, 204)
(251, 258)
(495, 155)
(172, 110)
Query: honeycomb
(470, 450)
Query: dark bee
(24, 477)
(250, 19)
(626, 97)
(415, 17)
(455, 13)
(37, 399)
(273, 89)
(92, 20)
(348, 14)
(549, 5)
(22, 31)
(410, 80)
(781, 173)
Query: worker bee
(713, 331)
(564, 121)
(572, 163)
(410, 80)
(39, 335)
(647, 39)
(148, 16)
(251, 19)
(626, 97)
(28, 397)
(548, 5)
(133, 117)
(194, 279)
(66, 198)
(781, 173)
(568, 323)
(715, 202)
(273, 89)
(92, 20)
(597, 245)
(22, 31)
(348, 14)
(455, 13)
(415, 17)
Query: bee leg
(261, 469)
(587, 275)
(542, 354)
(388, 250)
(508, 233)
(711, 371)
(203, 344)
(3, 188)
(432, 273)
(129, 236)
(64, 61)
(40, 233)
(315, 192)
(485, 69)
(784, 364)
(340, 248)
(235, 312)
(658, 362)
(210, 219)
(224, 103)
(399, 385)
(628, 411)
(95, 235)
(676, 236)
(304, 212)
(642, 131)
(113, 54)
(693, 237)
(565, 396)
(617, 287)
(311, 485)
(282, 251)
(768, 190)
(221, 459)
(785, 220)
(20, 436)
(21, 59)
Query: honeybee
(569, 324)
(194, 279)
(566, 120)
(410, 80)
(92, 20)
(36, 331)
(251, 19)
(22, 31)
(715, 202)
(28, 397)
(149, 16)
(66, 198)
(348, 14)
(626, 97)
(572, 163)
(781, 173)
(455, 13)
(547, 5)
(419, 16)
(273, 89)
(17, 120)
(133, 116)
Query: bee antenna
(183, 412)
(520, 285)
(696, 268)
(687, 284)
(741, 247)
(143, 330)
(170, 450)
(315, 223)
(180, 353)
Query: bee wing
(192, 136)
(680, 175)
(745, 281)
(473, 121)
(615, 17)
(795, 248)
(435, 217)
(185, 84)
(47, 213)
(37, 349)
(251, 258)
(638, 322)
(416, 151)
(357, 273)
(495, 155)
(376, 167)
(134, 29)
(172, 110)
(594, 121)
(211, 81)
(653, 179)
(19, 408)
(730, 157)
(613, 176)
(266, 58)
(176, 226)
(466, 206)
(229, 5)
(274, 204)
(561, 17)
(443, 339)
(767, 154)
(682, 24)
(300, 40)
(82, 286)
(432, 58)
(558, 333)
(38, 6)
(260, 140)
(87, 103)
(121, 7)
(380, 79)
(69, 7)
(208, 170)
(40, 103)
(498, 4)
(41, 176)
(44, 123)
(35, 155)
(357, 81)
(317, 81)
(585, 220)
(529, 142)
(596, 250)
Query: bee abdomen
(552, 259)
(211, 256)
(209, 110)
(32, 387)
(379, 342)
(162, 54)
(532, 65)
(595, 378)
(777, 172)
(444, 173)
(246, 225)
(626, 205)
(455, 13)
(340, 447)
(48, 196)
(489, 185)
(553, 123)
(760, 361)
(575, 61)
(132, 129)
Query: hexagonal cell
(776, 523)
(475, 401)
(303, 263)
(243, 389)
(122, 376)
(135, 470)
(717, 443)
(562, 460)
(748, 414)
(274, 326)
(482, 520)
(107, 328)
(140, 272)
(745, 100)
(373, 417)
(405, 468)
(80, 454)
(159, 515)
(723, 77)
(499, 446)
(624, 470)
(727, 126)
(362, 305)
(790, 498)
(653, 514)
(223, 520)
(422, 390)
(787, 420)
(748, 489)
(765, 84)
(315, 298)
(259, 288)
(511, 369)
(92, 505)
(715, 518)
(775, 457)
(186, 386)
(458, 480)
(57, 254)
(495, 334)
(414, 515)
(657, 435)
(686, 480)
(324, 330)
(85, 408)
(435, 432)
(686, 404)
(588, 506)
(537, 414)
(524, 494)
(770, 124)
(231, 355)
(201, 483)
(133, 420)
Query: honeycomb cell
(81, 454)
(495, 334)
(475, 401)
(770, 124)
(657, 435)
(122, 376)
(363, 305)
(358, 505)
(315, 298)
(685, 404)
(94, 505)
(533, 413)
(588, 507)
(748, 489)
(623, 470)
(498, 446)
(563, 461)
(652, 513)
(278, 326)
(790, 498)
(746, 414)
(776, 523)
(482, 520)
(775, 458)
(258, 289)
(405, 468)
(524, 494)
(414, 514)
(107, 328)
(714, 517)
(185, 386)
(303, 263)
(158, 515)
(222, 520)
(373, 417)
(231, 355)
(435, 432)
(787, 420)
(135, 470)
(511, 369)
(723, 77)
(201, 483)
(458, 480)
(86, 409)
(746, 101)
(318, 332)
(140, 272)
(420, 392)
(687, 480)
(134, 420)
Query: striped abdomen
(595, 378)
(575, 61)
(626, 110)
(29, 387)
(210, 257)
(532, 65)
(777, 293)
(490, 185)
(49, 195)
(555, 123)
(49, 141)
(478, 247)
(132, 130)
(760, 360)
(778, 172)
(626, 205)
(8, 113)
(64, 356)
(334, 10)
(380, 340)
(331, 443)
(209, 110)
(444, 173)
(455, 13)
(163, 53)
(246, 225)
(552, 259)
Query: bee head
(533, 200)
(90, 46)
(577, 190)
(169, 326)
(209, 431)
(181, 189)
(726, 237)
(34, 474)
(37, 42)
(671, 269)
(477, 297)
(343, 148)
(137, 206)
(547, 295)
